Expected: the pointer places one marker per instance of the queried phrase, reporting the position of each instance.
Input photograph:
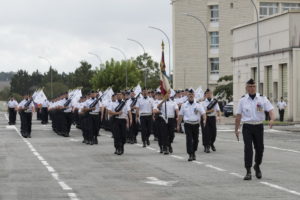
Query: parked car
(228, 109)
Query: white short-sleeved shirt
(89, 102)
(145, 106)
(191, 112)
(69, 107)
(23, 103)
(12, 104)
(216, 108)
(45, 104)
(281, 105)
(124, 110)
(253, 110)
(171, 108)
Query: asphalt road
(48, 166)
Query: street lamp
(258, 47)
(122, 52)
(97, 56)
(206, 32)
(169, 42)
(145, 70)
(51, 78)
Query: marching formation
(126, 113)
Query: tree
(149, 71)
(58, 88)
(21, 82)
(114, 75)
(82, 76)
(225, 87)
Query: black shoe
(144, 144)
(95, 140)
(29, 136)
(148, 142)
(166, 151)
(213, 147)
(190, 158)
(207, 149)
(257, 171)
(248, 176)
(116, 152)
(83, 141)
(161, 149)
(170, 149)
(121, 151)
(194, 156)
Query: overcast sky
(66, 30)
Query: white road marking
(156, 181)
(150, 148)
(236, 174)
(55, 175)
(216, 168)
(197, 162)
(74, 140)
(281, 149)
(64, 185)
(280, 188)
(178, 157)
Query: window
(214, 13)
(267, 9)
(290, 6)
(214, 40)
(214, 65)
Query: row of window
(268, 8)
(265, 9)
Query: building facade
(279, 60)
(219, 17)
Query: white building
(279, 59)
(219, 16)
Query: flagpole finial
(163, 45)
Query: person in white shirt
(251, 112)
(191, 112)
(120, 111)
(212, 116)
(167, 123)
(12, 105)
(44, 112)
(156, 119)
(92, 107)
(25, 108)
(281, 108)
(144, 112)
(134, 126)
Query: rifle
(26, 105)
(92, 105)
(135, 100)
(212, 104)
(120, 106)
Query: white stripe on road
(55, 175)
(216, 168)
(281, 149)
(236, 174)
(177, 157)
(280, 188)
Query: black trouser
(146, 126)
(26, 119)
(38, 114)
(94, 129)
(281, 114)
(68, 120)
(60, 122)
(192, 137)
(166, 131)
(44, 115)
(119, 132)
(253, 134)
(85, 124)
(133, 127)
(210, 131)
(12, 115)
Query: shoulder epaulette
(243, 96)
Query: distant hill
(6, 76)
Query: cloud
(66, 30)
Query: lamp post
(98, 57)
(145, 70)
(169, 43)
(122, 52)
(51, 77)
(206, 32)
(258, 47)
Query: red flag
(164, 79)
